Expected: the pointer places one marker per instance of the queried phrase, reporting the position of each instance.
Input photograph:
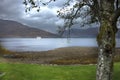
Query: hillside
(10, 28)
(14, 29)
(84, 33)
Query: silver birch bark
(106, 41)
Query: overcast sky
(45, 19)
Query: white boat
(38, 37)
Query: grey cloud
(45, 19)
(10, 9)
(41, 24)
(44, 15)
(58, 3)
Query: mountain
(10, 28)
(84, 33)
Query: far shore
(60, 56)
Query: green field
(19, 71)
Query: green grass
(20, 71)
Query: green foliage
(4, 51)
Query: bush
(4, 51)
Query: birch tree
(103, 12)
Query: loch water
(44, 44)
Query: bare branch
(115, 18)
(30, 4)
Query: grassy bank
(71, 55)
(46, 72)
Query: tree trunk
(106, 53)
(106, 41)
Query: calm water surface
(33, 44)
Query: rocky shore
(61, 56)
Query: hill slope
(84, 33)
(10, 28)
(14, 29)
